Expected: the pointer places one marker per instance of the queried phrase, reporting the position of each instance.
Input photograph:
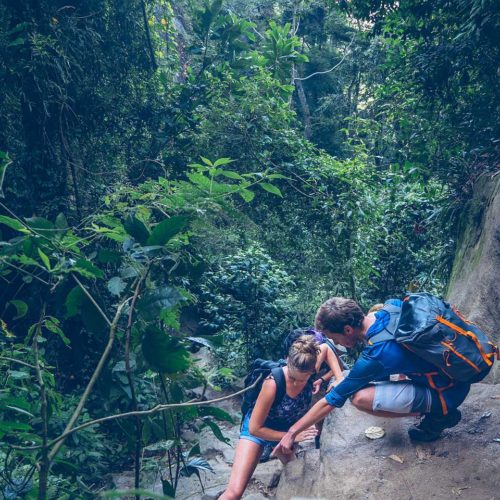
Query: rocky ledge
(463, 464)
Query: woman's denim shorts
(245, 433)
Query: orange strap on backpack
(469, 335)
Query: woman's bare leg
(246, 459)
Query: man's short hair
(336, 313)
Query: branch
(148, 36)
(45, 460)
(112, 331)
(18, 361)
(20, 269)
(140, 413)
(331, 69)
(103, 314)
(2, 177)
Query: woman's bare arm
(261, 411)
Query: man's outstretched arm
(318, 412)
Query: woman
(266, 425)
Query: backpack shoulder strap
(388, 333)
(331, 345)
(279, 378)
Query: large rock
(475, 280)
(464, 463)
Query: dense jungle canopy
(193, 174)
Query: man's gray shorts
(402, 397)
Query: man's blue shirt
(378, 361)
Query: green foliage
(133, 246)
(217, 169)
(247, 298)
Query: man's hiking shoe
(266, 453)
(431, 426)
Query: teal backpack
(438, 333)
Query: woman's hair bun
(303, 353)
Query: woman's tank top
(284, 415)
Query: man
(427, 390)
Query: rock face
(464, 463)
(475, 280)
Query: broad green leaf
(206, 161)
(18, 41)
(91, 317)
(45, 259)
(215, 412)
(61, 222)
(136, 229)
(107, 256)
(276, 176)
(163, 352)
(198, 166)
(167, 488)
(87, 269)
(216, 430)
(52, 324)
(20, 410)
(167, 229)
(21, 308)
(231, 175)
(128, 272)
(170, 318)
(13, 224)
(270, 188)
(13, 426)
(247, 195)
(28, 261)
(153, 302)
(225, 372)
(74, 301)
(18, 374)
(116, 285)
(222, 161)
(202, 181)
(6, 400)
(42, 226)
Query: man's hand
(309, 433)
(285, 446)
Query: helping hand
(285, 446)
(309, 433)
